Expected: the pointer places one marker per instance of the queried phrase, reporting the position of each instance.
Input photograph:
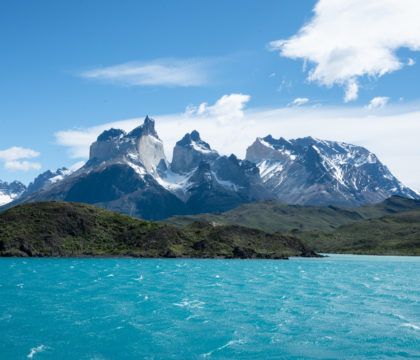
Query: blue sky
(61, 68)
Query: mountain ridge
(312, 172)
(129, 173)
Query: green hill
(397, 234)
(272, 216)
(389, 227)
(71, 229)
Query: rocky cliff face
(319, 172)
(189, 152)
(141, 147)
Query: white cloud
(351, 90)
(17, 153)
(299, 101)
(392, 135)
(160, 72)
(378, 102)
(411, 62)
(13, 159)
(348, 39)
(22, 165)
(228, 107)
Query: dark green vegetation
(249, 231)
(71, 229)
(390, 227)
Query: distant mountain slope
(47, 178)
(310, 171)
(273, 216)
(70, 229)
(397, 234)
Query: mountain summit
(141, 147)
(190, 151)
(319, 172)
(129, 173)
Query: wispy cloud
(299, 101)
(159, 72)
(15, 159)
(378, 102)
(22, 165)
(348, 39)
(390, 134)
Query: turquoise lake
(340, 307)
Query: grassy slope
(70, 229)
(332, 229)
(272, 216)
(397, 234)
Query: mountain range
(129, 173)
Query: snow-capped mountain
(317, 172)
(121, 175)
(129, 173)
(10, 191)
(141, 148)
(207, 181)
(47, 178)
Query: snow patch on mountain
(5, 199)
(10, 191)
(226, 183)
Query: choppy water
(338, 307)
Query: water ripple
(339, 307)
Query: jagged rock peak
(147, 128)
(140, 146)
(111, 134)
(10, 192)
(47, 178)
(193, 138)
(195, 135)
(275, 143)
(15, 186)
(189, 151)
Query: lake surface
(338, 307)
